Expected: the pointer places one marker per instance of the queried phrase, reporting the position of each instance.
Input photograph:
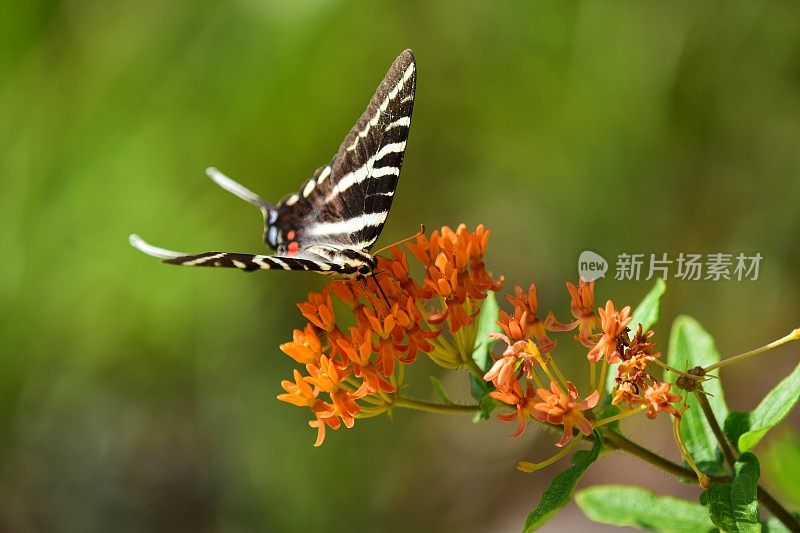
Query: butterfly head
(368, 267)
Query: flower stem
(702, 477)
(619, 416)
(419, 405)
(558, 373)
(473, 367)
(793, 336)
(529, 468)
(537, 379)
(601, 381)
(543, 366)
(673, 370)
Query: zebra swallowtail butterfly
(332, 222)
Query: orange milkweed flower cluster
(353, 364)
(360, 333)
(520, 374)
(634, 385)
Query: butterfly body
(331, 223)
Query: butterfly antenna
(417, 234)
(239, 190)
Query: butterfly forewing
(347, 202)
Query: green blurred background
(141, 397)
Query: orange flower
(502, 373)
(373, 381)
(358, 347)
(345, 290)
(393, 323)
(514, 326)
(582, 308)
(299, 392)
(305, 346)
(634, 366)
(346, 406)
(524, 403)
(455, 272)
(641, 345)
(389, 333)
(319, 309)
(326, 416)
(557, 407)
(660, 398)
(397, 267)
(418, 337)
(525, 323)
(324, 375)
(614, 332)
(626, 391)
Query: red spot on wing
(290, 235)
(293, 248)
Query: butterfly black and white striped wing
(252, 262)
(333, 221)
(346, 202)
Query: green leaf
(772, 410)
(478, 388)
(439, 388)
(487, 323)
(689, 346)
(733, 506)
(607, 411)
(621, 505)
(488, 405)
(559, 493)
(736, 425)
(648, 310)
(480, 391)
(782, 466)
(646, 314)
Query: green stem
(419, 405)
(727, 451)
(473, 367)
(793, 336)
(620, 416)
(619, 442)
(777, 510)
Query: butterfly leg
(377, 284)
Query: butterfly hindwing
(250, 262)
